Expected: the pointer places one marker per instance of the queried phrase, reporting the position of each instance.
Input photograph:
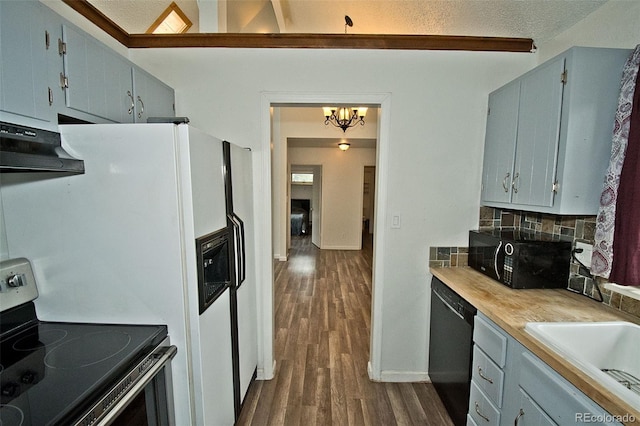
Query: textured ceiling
(537, 19)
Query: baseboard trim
(260, 373)
(402, 376)
(342, 248)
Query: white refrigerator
(244, 325)
(117, 245)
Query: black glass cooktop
(50, 372)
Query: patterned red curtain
(625, 269)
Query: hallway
(322, 326)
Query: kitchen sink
(609, 352)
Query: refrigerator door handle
(241, 253)
(238, 238)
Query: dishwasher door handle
(458, 314)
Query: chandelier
(344, 117)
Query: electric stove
(54, 373)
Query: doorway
(305, 203)
(368, 201)
(271, 160)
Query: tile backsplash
(448, 257)
(579, 228)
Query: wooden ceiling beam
(89, 11)
(333, 41)
(300, 41)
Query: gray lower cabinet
(530, 414)
(49, 68)
(511, 386)
(548, 134)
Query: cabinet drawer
(481, 410)
(488, 376)
(530, 414)
(490, 340)
(562, 401)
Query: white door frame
(266, 366)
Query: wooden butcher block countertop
(513, 309)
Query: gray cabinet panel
(24, 81)
(562, 401)
(499, 148)
(98, 79)
(152, 97)
(530, 413)
(538, 132)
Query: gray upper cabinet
(50, 68)
(28, 45)
(103, 84)
(548, 137)
(153, 98)
(97, 81)
(499, 150)
(539, 114)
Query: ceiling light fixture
(344, 145)
(344, 117)
(171, 21)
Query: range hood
(25, 149)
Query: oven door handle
(458, 314)
(167, 355)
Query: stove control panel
(17, 283)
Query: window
(302, 178)
(171, 21)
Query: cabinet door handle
(515, 182)
(133, 104)
(488, 379)
(141, 107)
(479, 413)
(517, 420)
(505, 183)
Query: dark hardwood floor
(322, 328)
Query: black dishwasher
(450, 348)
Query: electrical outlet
(585, 256)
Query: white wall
(615, 24)
(342, 180)
(301, 192)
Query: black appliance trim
(451, 349)
(27, 149)
(216, 238)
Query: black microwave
(521, 259)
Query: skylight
(171, 21)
